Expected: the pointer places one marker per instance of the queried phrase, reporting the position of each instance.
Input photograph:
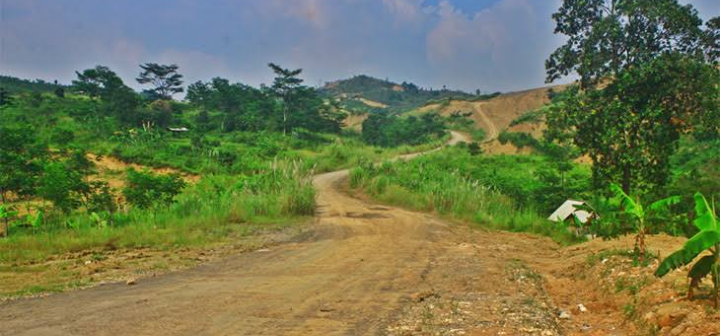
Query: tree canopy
(165, 79)
(659, 81)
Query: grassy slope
(494, 192)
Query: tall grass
(425, 184)
(215, 209)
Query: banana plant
(99, 221)
(35, 221)
(634, 208)
(708, 239)
(5, 214)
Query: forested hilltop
(367, 94)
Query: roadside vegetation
(230, 161)
(511, 193)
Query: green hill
(396, 97)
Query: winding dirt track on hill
(363, 269)
(491, 128)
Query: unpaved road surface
(363, 269)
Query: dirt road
(363, 269)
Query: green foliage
(632, 127)
(606, 37)
(20, 156)
(389, 130)
(13, 85)
(518, 139)
(145, 189)
(165, 79)
(662, 78)
(696, 167)
(286, 106)
(634, 208)
(62, 186)
(117, 99)
(707, 239)
(498, 192)
(531, 117)
(206, 212)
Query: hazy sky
(468, 44)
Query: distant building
(569, 208)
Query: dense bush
(387, 130)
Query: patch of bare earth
(620, 296)
(354, 121)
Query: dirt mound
(371, 103)
(112, 170)
(354, 121)
(618, 292)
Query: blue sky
(468, 44)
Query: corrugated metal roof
(567, 209)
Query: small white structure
(568, 209)
(178, 130)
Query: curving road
(352, 274)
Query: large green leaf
(664, 203)
(702, 267)
(694, 246)
(705, 218)
(629, 205)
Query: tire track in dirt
(491, 128)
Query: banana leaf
(694, 246)
(629, 205)
(705, 217)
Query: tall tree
(284, 87)
(165, 79)
(99, 81)
(630, 128)
(20, 156)
(118, 99)
(652, 56)
(607, 36)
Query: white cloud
(406, 11)
(501, 47)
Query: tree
(630, 128)
(117, 98)
(20, 154)
(145, 189)
(199, 94)
(97, 82)
(284, 87)
(62, 186)
(653, 57)
(607, 36)
(165, 78)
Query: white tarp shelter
(568, 209)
